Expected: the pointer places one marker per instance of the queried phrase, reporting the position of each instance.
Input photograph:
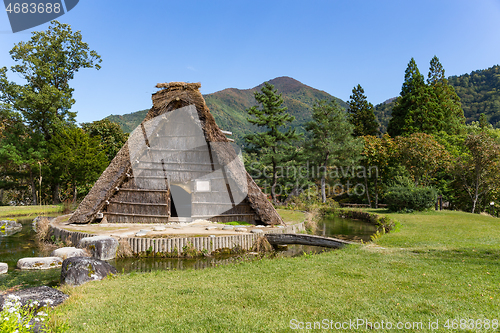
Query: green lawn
(6, 211)
(292, 216)
(438, 266)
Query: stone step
(39, 263)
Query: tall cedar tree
(331, 142)
(411, 102)
(273, 145)
(361, 114)
(445, 101)
(426, 108)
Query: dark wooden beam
(302, 239)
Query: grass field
(6, 211)
(439, 266)
(292, 216)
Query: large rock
(69, 252)
(78, 270)
(100, 247)
(9, 227)
(45, 296)
(3, 268)
(39, 263)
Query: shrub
(408, 199)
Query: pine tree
(361, 114)
(274, 144)
(331, 141)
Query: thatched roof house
(177, 165)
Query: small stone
(256, 231)
(3, 268)
(228, 227)
(210, 228)
(140, 234)
(101, 247)
(177, 227)
(240, 229)
(280, 226)
(159, 228)
(68, 252)
(39, 263)
(212, 235)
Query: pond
(23, 244)
(346, 229)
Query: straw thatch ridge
(172, 96)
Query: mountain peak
(285, 80)
(285, 84)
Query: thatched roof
(172, 96)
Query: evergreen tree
(426, 108)
(331, 142)
(445, 103)
(111, 135)
(274, 144)
(78, 158)
(483, 121)
(361, 114)
(409, 104)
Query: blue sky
(329, 45)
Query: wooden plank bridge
(302, 239)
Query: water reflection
(347, 229)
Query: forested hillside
(128, 121)
(479, 92)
